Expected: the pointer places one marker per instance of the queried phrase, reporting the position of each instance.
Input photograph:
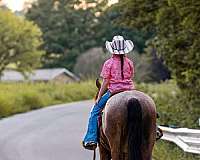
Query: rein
(94, 155)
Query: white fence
(187, 139)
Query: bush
(171, 103)
(34, 100)
(6, 106)
(23, 97)
(173, 107)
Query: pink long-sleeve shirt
(112, 70)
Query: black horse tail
(134, 125)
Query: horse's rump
(116, 126)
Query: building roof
(37, 75)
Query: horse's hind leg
(149, 127)
(104, 153)
(104, 148)
(115, 146)
(115, 150)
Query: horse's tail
(134, 129)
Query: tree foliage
(177, 27)
(89, 64)
(19, 42)
(71, 28)
(68, 29)
(107, 28)
(149, 67)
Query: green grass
(23, 97)
(172, 106)
(164, 150)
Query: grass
(164, 150)
(23, 97)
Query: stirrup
(89, 145)
(159, 133)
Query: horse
(128, 130)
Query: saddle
(100, 120)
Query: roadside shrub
(5, 106)
(173, 106)
(35, 100)
(23, 97)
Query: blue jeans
(92, 131)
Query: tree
(68, 30)
(151, 68)
(89, 64)
(19, 42)
(178, 41)
(177, 27)
(107, 28)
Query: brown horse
(129, 127)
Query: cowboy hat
(119, 45)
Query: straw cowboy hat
(119, 45)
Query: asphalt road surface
(52, 133)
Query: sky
(17, 5)
(14, 4)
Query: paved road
(52, 133)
